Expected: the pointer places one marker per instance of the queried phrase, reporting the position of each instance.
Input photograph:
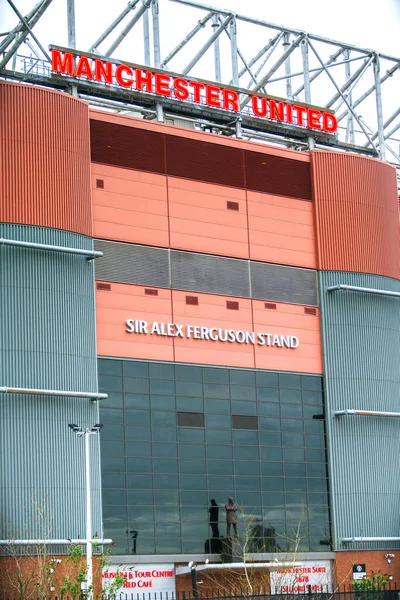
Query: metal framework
(360, 85)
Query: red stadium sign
(179, 88)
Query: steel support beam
(286, 43)
(131, 5)
(206, 46)
(217, 55)
(350, 120)
(200, 25)
(379, 113)
(234, 51)
(128, 27)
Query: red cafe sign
(180, 88)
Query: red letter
(162, 84)
(103, 71)
(300, 111)
(144, 78)
(313, 117)
(118, 75)
(259, 112)
(230, 100)
(289, 113)
(329, 122)
(83, 68)
(212, 96)
(276, 110)
(180, 89)
(196, 90)
(60, 64)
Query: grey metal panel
(283, 284)
(361, 336)
(209, 274)
(47, 340)
(130, 263)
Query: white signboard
(213, 334)
(141, 578)
(296, 579)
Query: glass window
(270, 438)
(243, 408)
(317, 485)
(113, 432)
(133, 368)
(221, 452)
(246, 437)
(139, 481)
(246, 452)
(271, 469)
(164, 450)
(247, 468)
(193, 482)
(271, 454)
(166, 482)
(190, 404)
(239, 377)
(269, 424)
(317, 499)
(192, 466)
(268, 410)
(290, 396)
(218, 421)
(214, 375)
(140, 497)
(162, 371)
(242, 392)
(292, 439)
(112, 448)
(212, 405)
(250, 503)
(162, 402)
(134, 465)
(218, 436)
(267, 394)
(166, 515)
(162, 387)
(220, 467)
(314, 441)
(316, 470)
(111, 415)
(114, 480)
(161, 418)
(108, 383)
(189, 388)
(290, 411)
(294, 469)
(292, 425)
(248, 483)
(192, 451)
(186, 373)
(272, 484)
(295, 484)
(109, 465)
(114, 496)
(143, 514)
(315, 455)
(267, 379)
(137, 433)
(164, 434)
(166, 497)
(194, 514)
(273, 499)
(216, 390)
(312, 397)
(114, 400)
(314, 426)
(308, 382)
(197, 498)
(293, 454)
(136, 386)
(289, 381)
(137, 401)
(137, 417)
(191, 434)
(223, 482)
(110, 367)
(165, 465)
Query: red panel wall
(44, 159)
(357, 213)
(130, 302)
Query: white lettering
(170, 330)
(204, 333)
(213, 333)
(275, 341)
(196, 332)
(250, 337)
(260, 339)
(285, 341)
(130, 327)
(179, 330)
(155, 329)
(231, 335)
(294, 341)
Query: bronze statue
(231, 517)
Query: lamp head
(96, 428)
(75, 428)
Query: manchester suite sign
(163, 84)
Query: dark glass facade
(176, 436)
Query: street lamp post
(89, 541)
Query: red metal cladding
(44, 159)
(357, 215)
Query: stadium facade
(219, 322)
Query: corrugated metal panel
(47, 340)
(284, 284)
(357, 215)
(361, 335)
(44, 158)
(130, 263)
(191, 271)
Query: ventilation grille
(283, 284)
(244, 422)
(231, 305)
(106, 287)
(276, 175)
(232, 205)
(193, 300)
(150, 292)
(193, 272)
(309, 310)
(189, 419)
(100, 183)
